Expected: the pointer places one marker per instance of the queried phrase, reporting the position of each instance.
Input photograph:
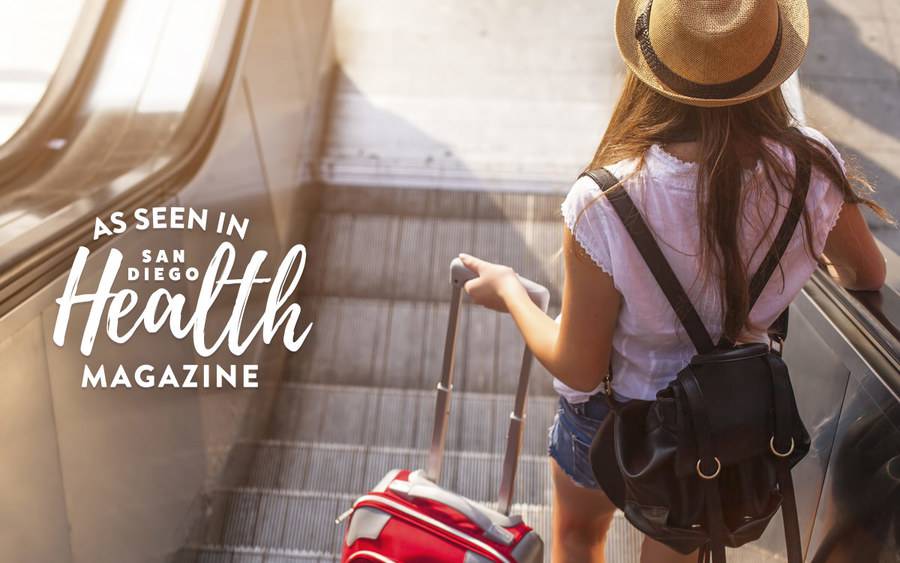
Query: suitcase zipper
(343, 515)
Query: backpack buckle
(607, 386)
(776, 344)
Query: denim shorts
(571, 434)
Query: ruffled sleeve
(825, 199)
(586, 219)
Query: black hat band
(685, 87)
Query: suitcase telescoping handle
(459, 275)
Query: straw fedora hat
(712, 52)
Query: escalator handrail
(45, 254)
(88, 38)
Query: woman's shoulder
(585, 195)
(590, 217)
(586, 190)
(822, 139)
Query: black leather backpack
(708, 463)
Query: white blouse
(649, 345)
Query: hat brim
(794, 41)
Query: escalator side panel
(35, 522)
(124, 474)
(859, 515)
(130, 458)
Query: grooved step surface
(400, 344)
(374, 242)
(288, 537)
(358, 398)
(336, 468)
(402, 418)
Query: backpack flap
(740, 423)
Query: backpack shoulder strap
(653, 256)
(786, 231)
(779, 328)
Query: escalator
(271, 123)
(342, 419)
(115, 131)
(158, 111)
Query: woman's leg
(581, 519)
(654, 552)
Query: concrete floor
(514, 95)
(851, 90)
(484, 95)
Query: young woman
(703, 141)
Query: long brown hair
(726, 137)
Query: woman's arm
(576, 350)
(856, 262)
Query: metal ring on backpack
(776, 452)
(704, 475)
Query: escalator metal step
(343, 468)
(386, 250)
(426, 202)
(399, 344)
(268, 526)
(357, 400)
(622, 546)
(228, 554)
(299, 522)
(401, 418)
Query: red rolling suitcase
(408, 518)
